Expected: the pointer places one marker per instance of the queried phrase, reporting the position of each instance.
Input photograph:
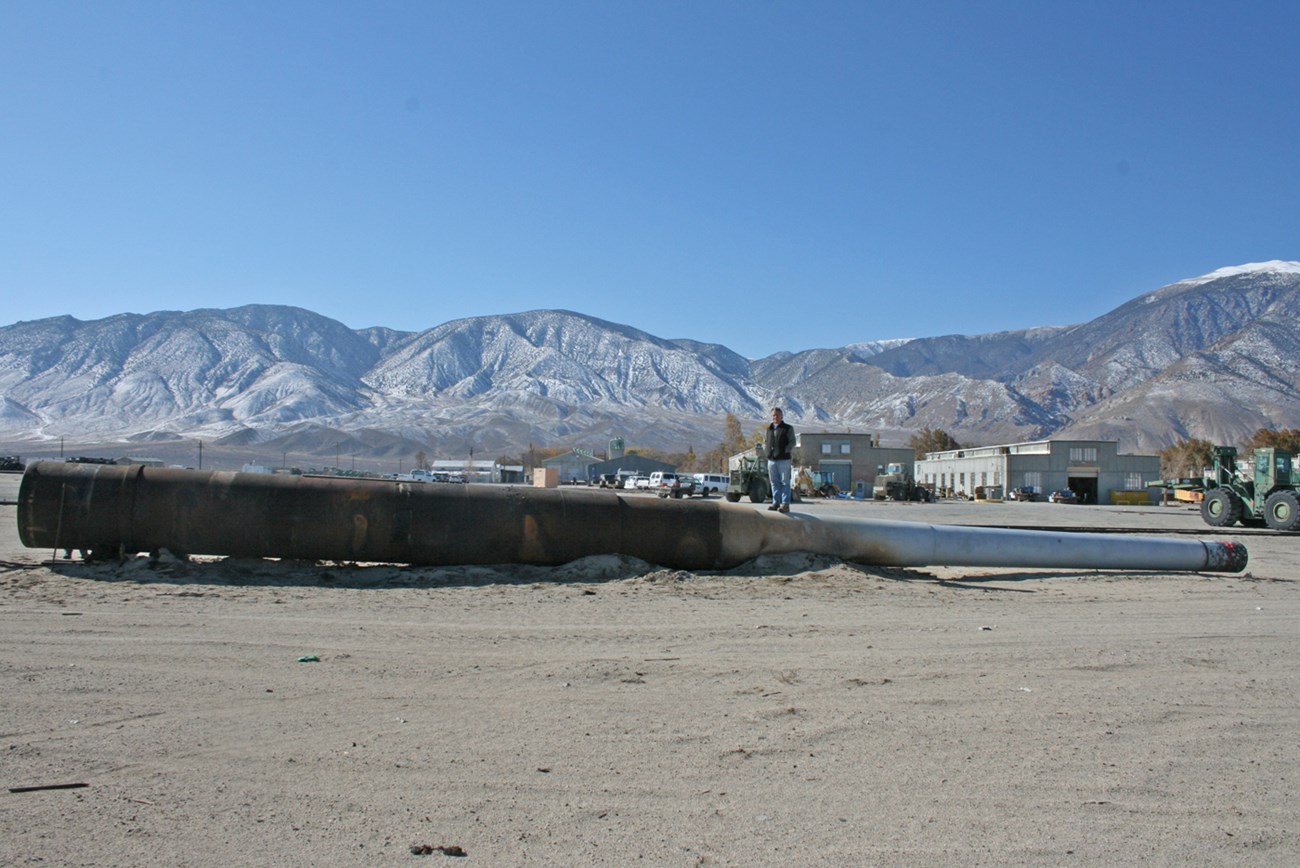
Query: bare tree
(931, 440)
(1287, 438)
(733, 437)
(1186, 459)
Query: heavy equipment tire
(732, 496)
(1282, 510)
(1221, 507)
(757, 494)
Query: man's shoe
(785, 507)
(773, 508)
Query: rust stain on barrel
(530, 544)
(359, 527)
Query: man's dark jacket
(778, 441)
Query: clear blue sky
(770, 176)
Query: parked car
(641, 483)
(682, 485)
(662, 479)
(417, 476)
(1064, 495)
(1025, 494)
(711, 483)
(658, 477)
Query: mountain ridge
(1214, 356)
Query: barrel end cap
(1225, 557)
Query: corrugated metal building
(628, 464)
(471, 471)
(571, 466)
(1092, 469)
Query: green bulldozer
(1256, 491)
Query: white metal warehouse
(1093, 469)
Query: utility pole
(200, 455)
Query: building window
(1133, 481)
(844, 449)
(826, 449)
(1083, 454)
(1034, 480)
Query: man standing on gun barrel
(778, 441)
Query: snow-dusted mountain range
(1216, 356)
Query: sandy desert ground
(795, 711)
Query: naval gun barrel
(116, 509)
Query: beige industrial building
(1093, 469)
(849, 459)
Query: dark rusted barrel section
(142, 509)
(111, 509)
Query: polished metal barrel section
(127, 509)
(914, 544)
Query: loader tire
(1221, 507)
(1282, 510)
